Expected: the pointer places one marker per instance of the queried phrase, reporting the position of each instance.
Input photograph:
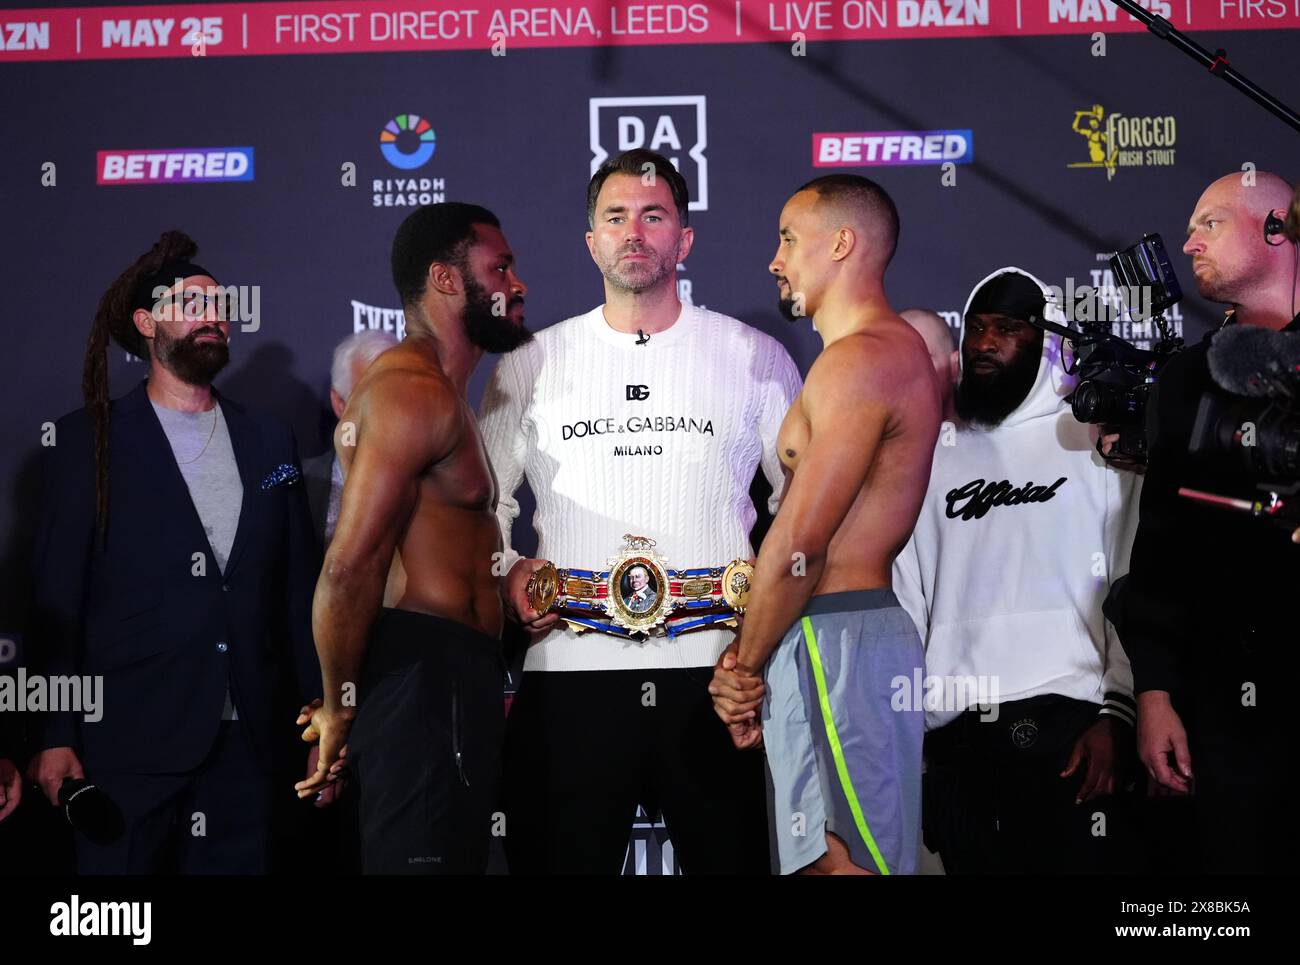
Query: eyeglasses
(195, 303)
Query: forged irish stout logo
(1119, 141)
(673, 126)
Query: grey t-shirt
(200, 442)
(207, 461)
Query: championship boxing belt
(638, 593)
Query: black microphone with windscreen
(1251, 435)
(1256, 362)
(90, 811)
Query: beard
(493, 333)
(638, 276)
(191, 361)
(986, 400)
(785, 305)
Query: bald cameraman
(1208, 614)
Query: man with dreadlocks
(174, 555)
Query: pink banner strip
(339, 26)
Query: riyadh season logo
(407, 142)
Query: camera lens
(1277, 452)
(1105, 402)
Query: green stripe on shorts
(837, 751)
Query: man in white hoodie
(1028, 693)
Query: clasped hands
(326, 729)
(737, 694)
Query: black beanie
(1011, 294)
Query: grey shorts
(841, 756)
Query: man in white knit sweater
(649, 417)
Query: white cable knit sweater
(658, 440)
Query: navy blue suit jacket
(167, 632)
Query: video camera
(1115, 376)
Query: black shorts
(425, 747)
(584, 748)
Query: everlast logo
(638, 393)
(975, 499)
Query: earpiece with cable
(1273, 226)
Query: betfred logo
(888, 148)
(174, 165)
